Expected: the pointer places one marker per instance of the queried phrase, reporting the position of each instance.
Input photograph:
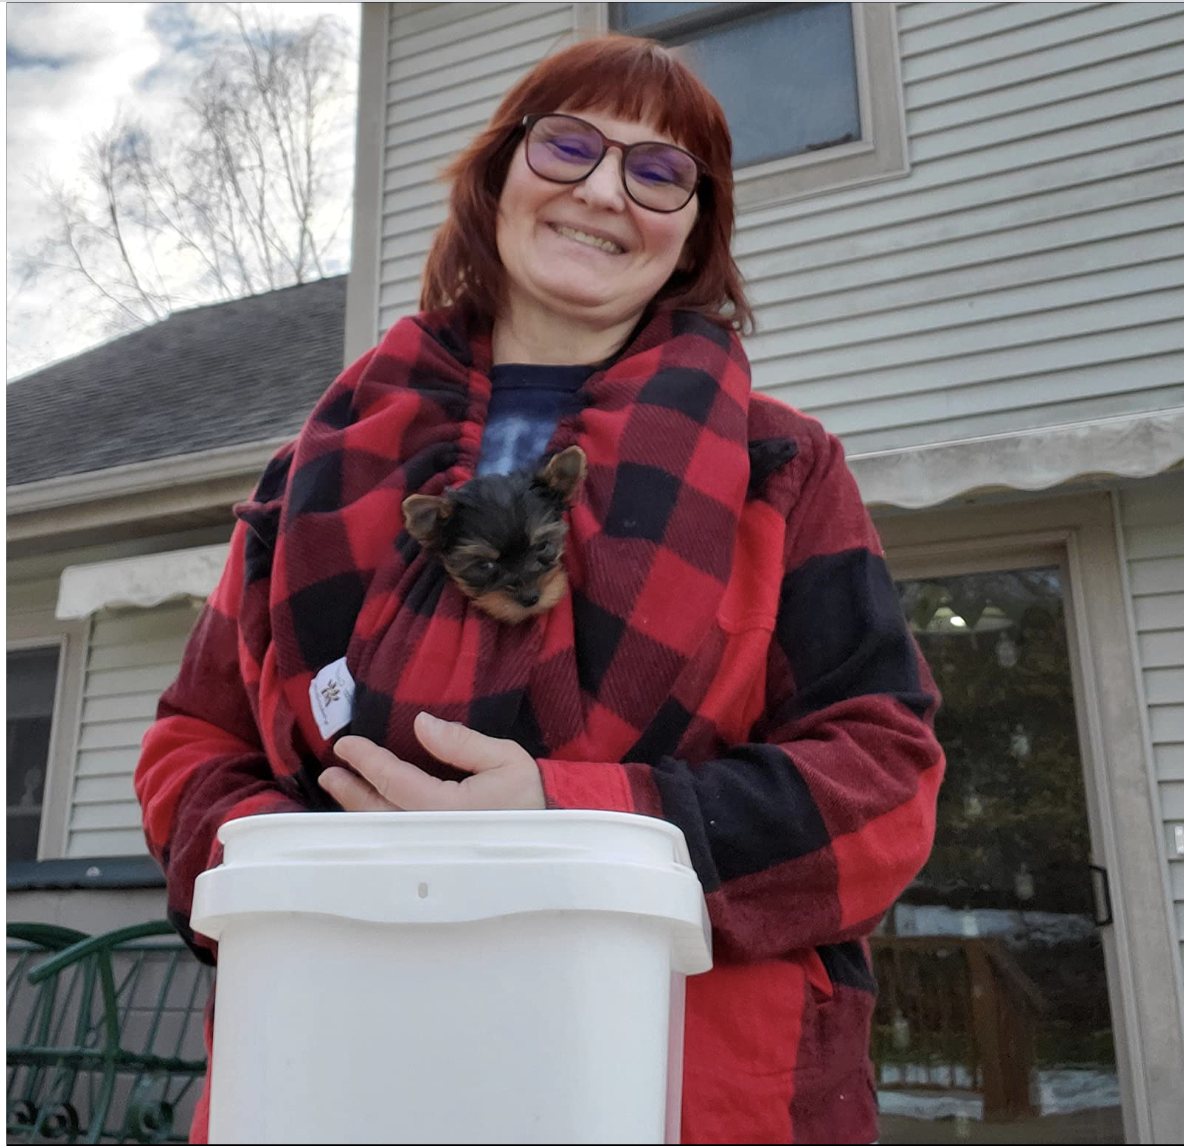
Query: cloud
(72, 68)
(88, 31)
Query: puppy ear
(425, 517)
(564, 472)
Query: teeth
(591, 240)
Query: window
(743, 56)
(32, 685)
(46, 665)
(811, 91)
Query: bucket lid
(452, 867)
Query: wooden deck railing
(956, 1014)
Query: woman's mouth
(600, 244)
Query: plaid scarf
(665, 429)
(731, 657)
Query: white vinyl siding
(449, 66)
(1153, 535)
(134, 655)
(1028, 272)
(32, 597)
(121, 660)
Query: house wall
(92, 911)
(1027, 272)
(134, 655)
(1023, 274)
(131, 655)
(448, 66)
(1152, 530)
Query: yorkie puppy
(500, 537)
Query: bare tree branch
(73, 227)
(105, 162)
(229, 200)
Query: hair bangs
(649, 86)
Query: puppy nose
(528, 597)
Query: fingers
(504, 774)
(459, 746)
(399, 784)
(352, 792)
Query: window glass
(31, 683)
(993, 1021)
(784, 74)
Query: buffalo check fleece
(731, 658)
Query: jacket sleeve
(202, 762)
(807, 834)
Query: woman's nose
(604, 187)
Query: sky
(70, 69)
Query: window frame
(71, 639)
(882, 151)
(1080, 533)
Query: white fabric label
(332, 697)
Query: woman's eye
(571, 148)
(655, 175)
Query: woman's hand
(504, 773)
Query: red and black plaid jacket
(731, 658)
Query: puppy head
(500, 537)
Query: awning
(139, 582)
(1131, 446)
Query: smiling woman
(582, 256)
(507, 192)
(731, 656)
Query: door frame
(1078, 532)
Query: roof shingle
(221, 375)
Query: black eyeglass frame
(528, 121)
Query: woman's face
(549, 267)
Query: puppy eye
(485, 568)
(546, 550)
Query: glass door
(993, 1020)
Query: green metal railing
(104, 1034)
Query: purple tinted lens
(561, 148)
(661, 177)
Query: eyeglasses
(566, 149)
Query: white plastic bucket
(450, 977)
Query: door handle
(1103, 909)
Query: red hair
(627, 78)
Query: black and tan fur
(501, 537)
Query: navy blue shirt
(525, 406)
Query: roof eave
(150, 489)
